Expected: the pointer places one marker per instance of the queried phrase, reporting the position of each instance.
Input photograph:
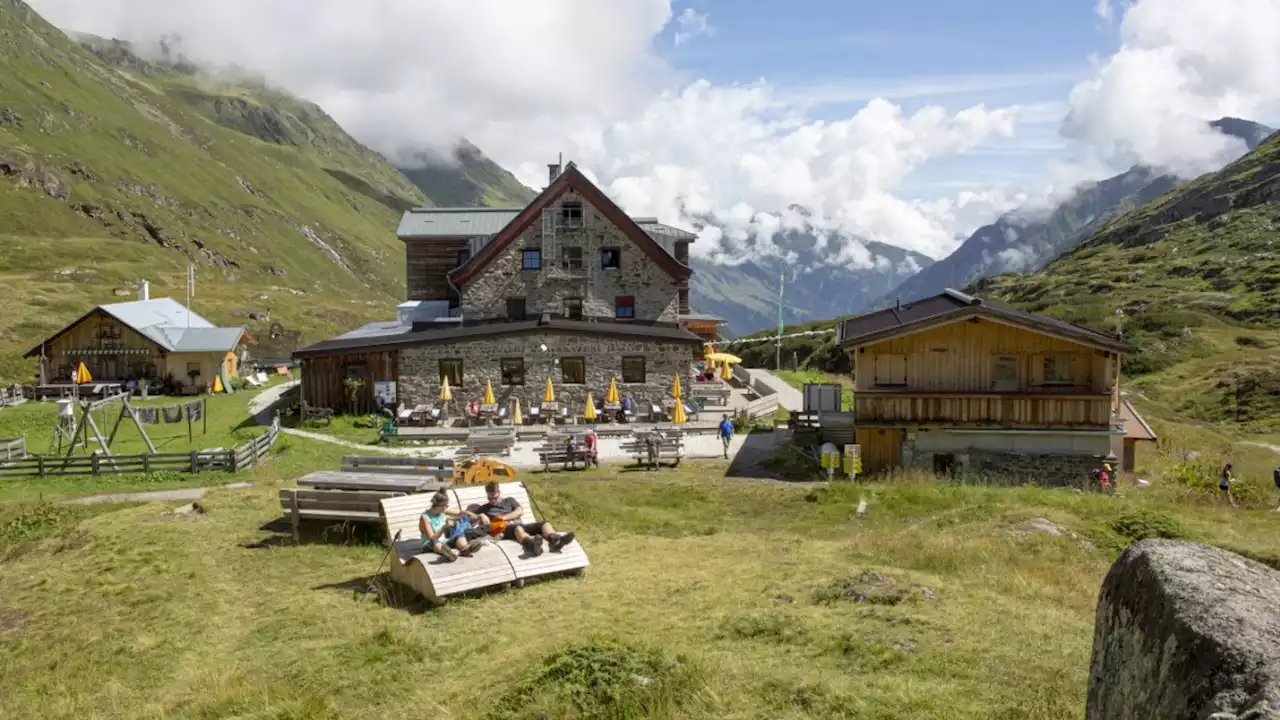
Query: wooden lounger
(500, 563)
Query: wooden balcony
(1013, 410)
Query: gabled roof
(454, 222)
(166, 322)
(1135, 428)
(571, 179)
(953, 305)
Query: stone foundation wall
(419, 380)
(1005, 467)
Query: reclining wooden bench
(498, 563)
(672, 448)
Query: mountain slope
(113, 168)
(1196, 275)
(746, 295)
(1020, 243)
(470, 179)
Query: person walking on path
(726, 434)
(1275, 477)
(1224, 483)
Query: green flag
(782, 281)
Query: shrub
(773, 628)
(1147, 525)
(31, 523)
(604, 678)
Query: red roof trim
(573, 179)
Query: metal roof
(1135, 428)
(385, 328)
(160, 311)
(656, 229)
(166, 322)
(196, 339)
(454, 222)
(556, 325)
(951, 304)
(702, 316)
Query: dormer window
(571, 215)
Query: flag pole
(191, 281)
(782, 280)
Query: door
(881, 449)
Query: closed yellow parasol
(726, 371)
(675, 388)
(516, 417)
(217, 384)
(589, 413)
(488, 393)
(445, 393)
(550, 396)
(612, 396)
(678, 415)
(82, 375)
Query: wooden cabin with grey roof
(569, 288)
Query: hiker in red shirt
(593, 453)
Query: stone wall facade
(655, 292)
(1056, 460)
(419, 381)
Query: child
(442, 534)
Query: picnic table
(394, 482)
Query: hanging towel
(173, 414)
(194, 410)
(147, 415)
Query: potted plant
(353, 386)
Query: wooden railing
(241, 457)
(13, 449)
(984, 409)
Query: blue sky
(915, 53)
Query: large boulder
(1186, 631)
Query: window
(573, 308)
(515, 309)
(575, 370)
(571, 258)
(463, 257)
(356, 371)
(532, 259)
(451, 369)
(571, 215)
(1004, 376)
(891, 370)
(633, 369)
(512, 371)
(1058, 370)
(624, 307)
(193, 369)
(611, 258)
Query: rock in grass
(1185, 630)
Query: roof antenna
(897, 302)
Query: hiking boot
(471, 549)
(446, 552)
(559, 540)
(532, 545)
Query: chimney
(553, 169)
(144, 290)
(897, 303)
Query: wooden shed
(1136, 430)
(324, 379)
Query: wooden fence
(766, 406)
(11, 395)
(240, 457)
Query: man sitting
(529, 535)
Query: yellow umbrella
(82, 375)
(217, 384)
(589, 414)
(726, 371)
(488, 393)
(675, 388)
(551, 393)
(612, 396)
(724, 358)
(677, 416)
(516, 417)
(706, 355)
(445, 393)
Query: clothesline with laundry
(169, 414)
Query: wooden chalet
(953, 381)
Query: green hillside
(114, 168)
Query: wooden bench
(717, 392)
(440, 469)
(349, 506)
(672, 447)
(556, 450)
(500, 563)
(491, 440)
(311, 413)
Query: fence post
(193, 461)
(40, 464)
(231, 460)
(93, 462)
(146, 463)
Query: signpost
(852, 460)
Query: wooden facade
(427, 264)
(981, 372)
(708, 330)
(881, 449)
(111, 350)
(323, 379)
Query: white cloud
(691, 24)
(1181, 64)
(525, 81)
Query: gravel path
(156, 496)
